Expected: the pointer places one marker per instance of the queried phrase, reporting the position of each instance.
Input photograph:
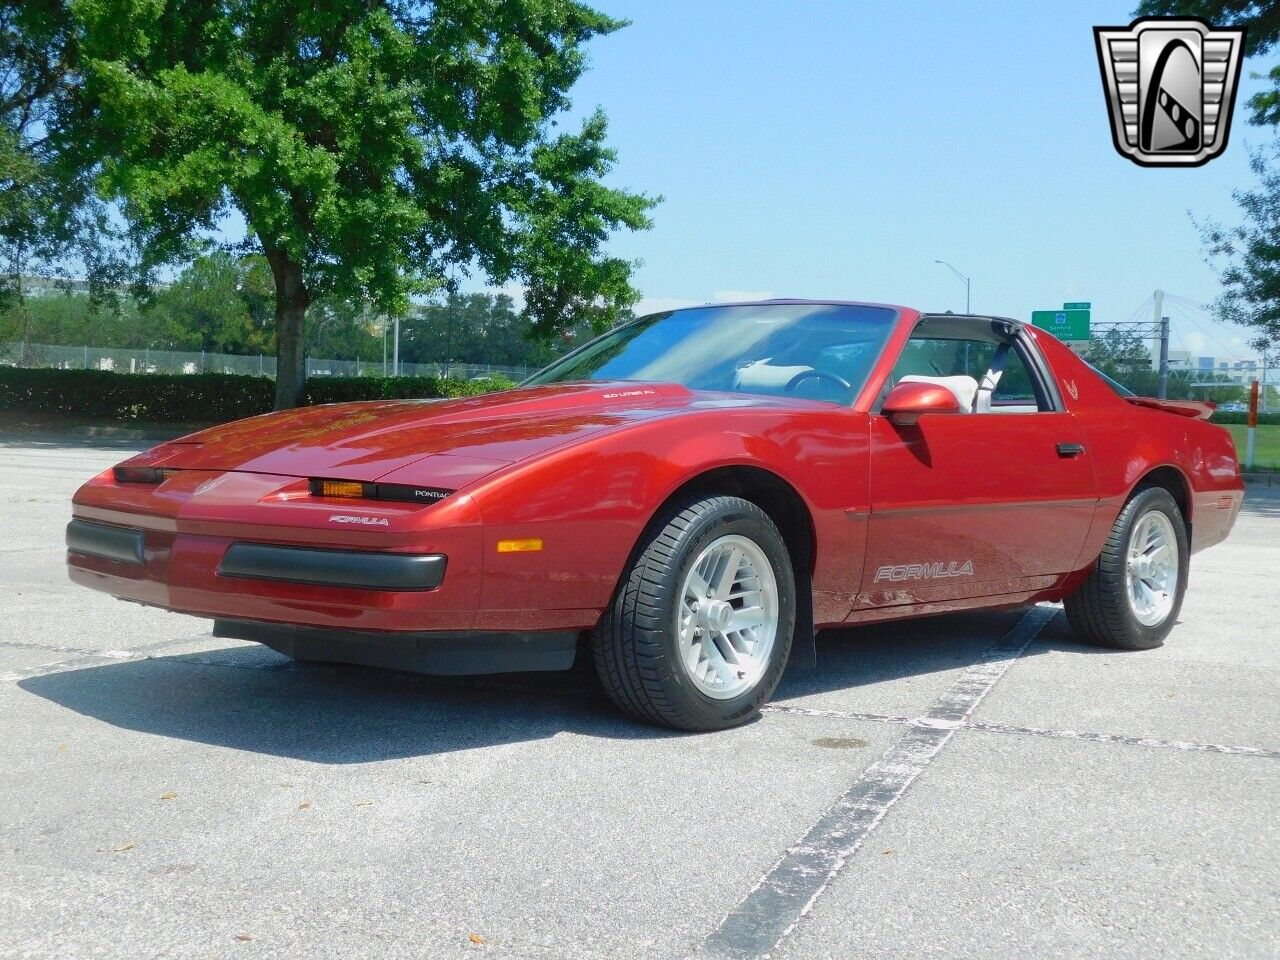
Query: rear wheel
(1132, 597)
(699, 632)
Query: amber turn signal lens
(520, 546)
(407, 493)
(341, 488)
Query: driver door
(971, 505)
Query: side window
(1016, 392)
(962, 365)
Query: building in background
(1236, 369)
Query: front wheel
(700, 630)
(1132, 597)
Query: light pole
(962, 277)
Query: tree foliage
(220, 303)
(1247, 256)
(225, 304)
(51, 220)
(376, 150)
(479, 328)
(1261, 21)
(1119, 354)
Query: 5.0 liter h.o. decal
(925, 571)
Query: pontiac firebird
(685, 499)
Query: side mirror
(908, 402)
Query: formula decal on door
(938, 570)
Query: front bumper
(147, 560)
(354, 569)
(287, 575)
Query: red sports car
(689, 496)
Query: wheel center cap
(715, 615)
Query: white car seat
(964, 389)
(762, 375)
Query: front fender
(590, 503)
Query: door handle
(1070, 449)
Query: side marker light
(529, 545)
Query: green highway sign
(1086, 305)
(1064, 324)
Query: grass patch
(1266, 451)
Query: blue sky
(835, 149)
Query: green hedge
(1240, 417)
(197, 397)
(344, 389)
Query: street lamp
(962, 277)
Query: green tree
(481, 328)
(1119, 354)
(1247, 256)
(1126, 359)
(1262, 32)
(49, 215)
(373, 148)
(219, 303)
(70, 316)
(344, 330)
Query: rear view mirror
(908, 402)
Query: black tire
(635, 646)
(1099, 612)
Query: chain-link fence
(127, 360)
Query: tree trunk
(292, 300)
(24, 318)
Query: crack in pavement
(49, 647)
(92, 658)
(1015, 730)
(1119, 738)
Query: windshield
(813, 350)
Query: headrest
(964, 388)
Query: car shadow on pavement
(249, 698)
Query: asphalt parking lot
(965, 786)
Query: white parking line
(789, 890)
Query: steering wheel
(821, 374)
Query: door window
(987, 375)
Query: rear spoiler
(1196, 409)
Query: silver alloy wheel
(727, 617)
(1151, 568)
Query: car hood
(444, 442)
